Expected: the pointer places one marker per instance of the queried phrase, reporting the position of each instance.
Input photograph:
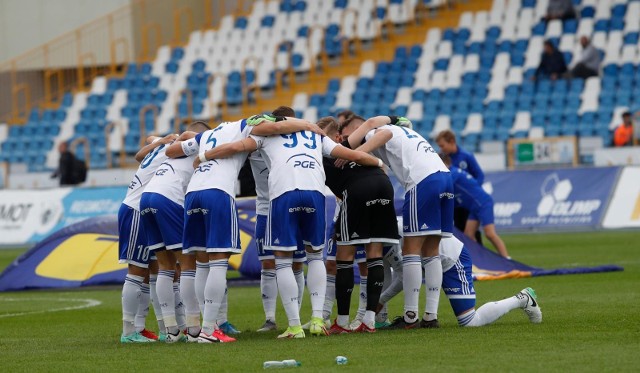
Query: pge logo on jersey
(305, 164)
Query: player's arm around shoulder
(246, 145)
(379, 139)
(267, 125)
(152, 143)
(356, 156)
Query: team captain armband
(190, 147)
(257, 119)
(400, 121)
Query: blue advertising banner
(550, 199)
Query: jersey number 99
(308, 136)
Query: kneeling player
(457, 283)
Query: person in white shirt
(162, 216)
(139, 285)
(427, 210)
(211, 217)
(297, 209)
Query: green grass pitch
(590, 323)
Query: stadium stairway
(380, 49)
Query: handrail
(355, 38)
(245, 86)
(313, 59)
(107, 135)
(93, 69)
(223, 102)
(48, 94)
(114, 49)
(146, 51)
(176, 117)
(177, 23)
(289, 69)
(143, 124)
(15, 109)
(87, 154)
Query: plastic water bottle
(281, 364)
(341, 360)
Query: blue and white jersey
(450, 249)
(468, 191)
(143, 175)
(295, 161)
(219, 174)
(261, 176)
(409, 155)
(172, 178)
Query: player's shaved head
(284, 111)
(344, 114)
(198, 126)
(352, 122)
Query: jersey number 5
(308, 136)
(150, 157)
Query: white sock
(329, 297)
(202, 272)
(343, 321)
(362, 303)
(489, 312)
(269, 290)
(130, 302)
(299, 275)
(317, 282)
(214, 293)
(432, 280)
(180, 311)
(157, 310)
(288, 289)
(411, 282)
(224, 308)
(369, 318)
(143, 307)
(188, 293)
(167, 300)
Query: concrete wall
(26, 24)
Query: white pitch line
(87, 304)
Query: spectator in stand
(465, 161)
(71, 170)
(560, 9)
(623, 135)
(552, 64)
(589, 61)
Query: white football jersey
(295, 161)
(171, 179)
(143, 175)
(261, 176)
(450, 249)
(409, 155)
(219, 174)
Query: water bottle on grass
(281, 364)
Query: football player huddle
(179, 228)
